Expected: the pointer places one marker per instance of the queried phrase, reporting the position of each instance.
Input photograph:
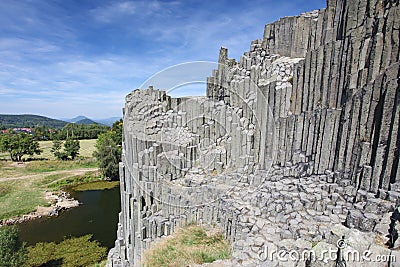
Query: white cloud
(114, 11)
(83, 58)
(85, 82)
(32, 47)
(137, 16)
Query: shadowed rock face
(295, 146)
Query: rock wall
(293, 147)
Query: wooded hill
(28, 120)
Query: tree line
(71, 130)
(18, 145)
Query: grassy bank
(189, 245)
(19, 197)
(22, 196)
(96, 185)
(23, 185)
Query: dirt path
(43, 174)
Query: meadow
(23, 185)
(86, 151)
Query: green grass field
(19, 197)
(86, 150)
(23, 185)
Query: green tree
(41, 132)
(117, 127)
(108, 151)
(12, 250)
(108, 154)
(56, 149)
(18, 145)
(71, 148)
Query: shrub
(12, 250)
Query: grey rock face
(294, 146)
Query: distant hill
(73, 120)
(28, 120)
(86, 121)
(78, 118)
(107, 121)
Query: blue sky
(63, 58)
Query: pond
(97, 215)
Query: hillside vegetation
(86, 121)
(28, 120)
(43, 128)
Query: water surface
(97, 215)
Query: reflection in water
(97, 215)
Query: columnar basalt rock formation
(294, 146)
